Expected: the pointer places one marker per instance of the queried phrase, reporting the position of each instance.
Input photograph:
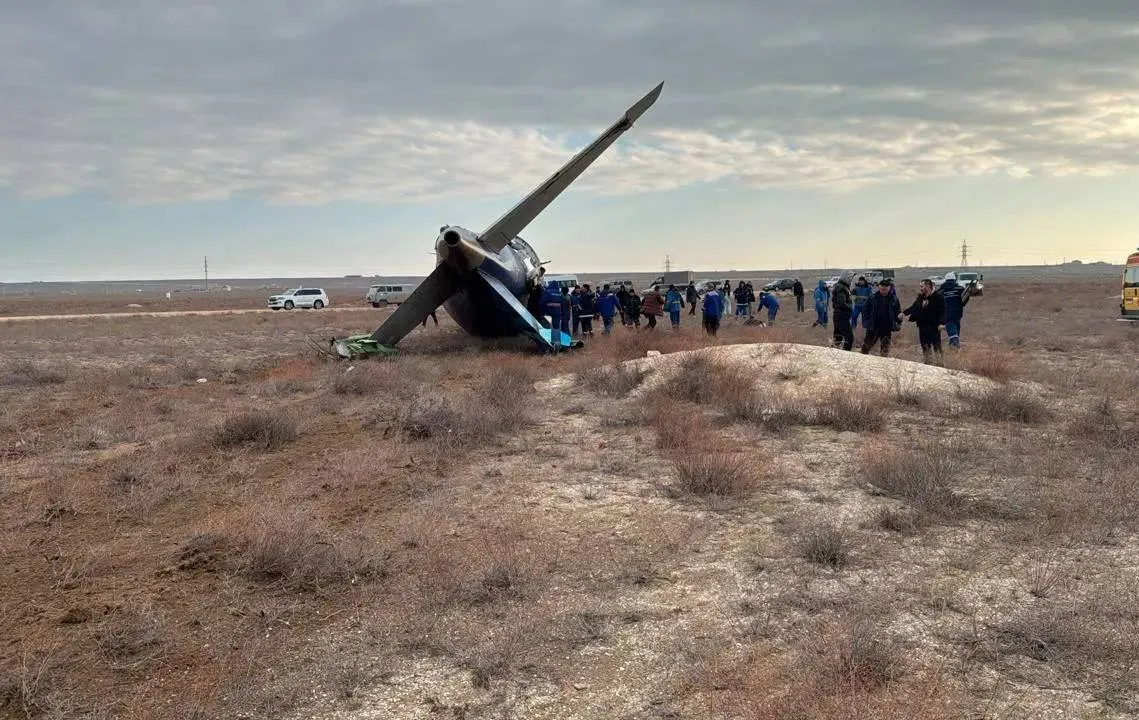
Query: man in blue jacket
(769, 301)
(713, 309)
(880, 313)
(860, 293)
(552, 307)
(956, 298)
(607, 306)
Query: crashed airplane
(482, 279)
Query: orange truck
(1129, 301)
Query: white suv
(314, 298)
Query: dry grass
(925, 476)
(260, 428)
(616, 381)
(512, 548)
(1007, 403)
(25, 373)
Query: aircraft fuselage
(473, 306)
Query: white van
(563, 281)
(384, 295)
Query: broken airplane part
(483, 279)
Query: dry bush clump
(131, 633)
(256, 427)
(26, 373)
(615, 381)
(295, 553)
(773, 410)
(499, 405)
(848, 670)
(1007, 403)
(369, 378)
(1100, 423)
(715, 473)
(1067, 632)
(826, 545)
(850, 412)
(701, 379)
(924, 476)
(999, 365)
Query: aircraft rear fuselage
(473, 304)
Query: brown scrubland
(200, 517)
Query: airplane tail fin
(517, 218)
(429, 295)
(526, 324)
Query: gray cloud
(413, 99)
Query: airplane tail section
(527, 324)
(429, 295)
(517, 218)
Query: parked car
(314, 298)
(968, 277)
(830, 282)
(384, 295)
(780, 284)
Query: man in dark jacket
(587, 308)
(926, 312)
(797, 289)
(956, 298)
(880, 311)
(841, 304)
(691, 296)
(552, 307)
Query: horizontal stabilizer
(527, 324)
(427, 296)
(507, 227)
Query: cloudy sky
(311, 137)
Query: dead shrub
(700, 379)
(1102, 424)
(923, 476)
(616, 381)
(999, 365)
(293, 552)
(266, 429)
(1006, 403)
(899, 521)
(716, 473)
(500, 405)
(130, 632)
(26, 373)
(826, 545)
(851, 412)
(773, 410)
(367, 378)
(854, 654)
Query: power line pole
(206, 271)
(964, 254)
(667, 264)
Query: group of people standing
(881, 313)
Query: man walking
(822, 298)
(673, 303)
(926, 312)
(797, 289)
(880, 313)
(860, 294)
(652, 306)
(587, 309)
(607, 307)
(841, 304)
(713, 309)
(691, 295)
(956, 298)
